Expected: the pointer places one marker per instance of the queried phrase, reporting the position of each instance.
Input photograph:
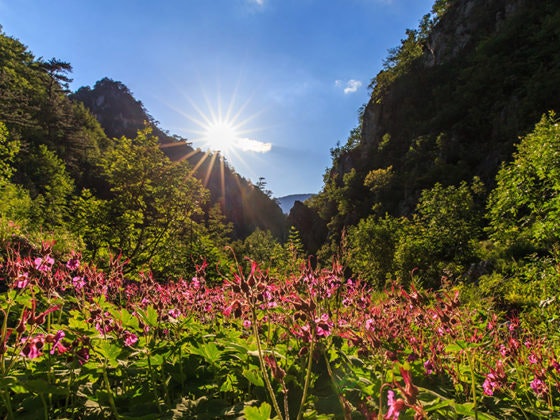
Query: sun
(220, 136)
(225, 128)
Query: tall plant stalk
(263, 366)
(307, 374)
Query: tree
(261, 185)
(15, 204)
(370, 248)
(295, 249)
(262, 247)
(524, 208)
(9, 148)
(154, 202)
(50, 186)
(440, 238)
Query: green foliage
(50, 186)
(154, 201)
(262, 246)
(441, 237)
(524, 208)
(15, 210)
(378, 179)
(88, 221)
(311, 345)
(370, 248)
(9, 148)
(295, 252)
(447, 106)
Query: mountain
(449, 105)
(287, 202)
(242, 203)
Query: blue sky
(280, 81)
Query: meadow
(78, 342)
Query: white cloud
(350, 86)
(257, 2)
(250, 145)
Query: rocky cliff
(451, 102)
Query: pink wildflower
(44, 264)
(73, 263)
(57, 343)
(533, 359)
(539, 386)
(174, 313)
(429, 367)
(246, 324)
(130, 339)
(395, 406)
(83, 355)
(490, 384)
(324, 326)
(33, 346)
(22, 280)
(78, 282)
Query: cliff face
(487, 70)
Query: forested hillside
(413, 192)
(112, 182)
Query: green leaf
(126, 318)
(229, 384)
(110, 351)
(253, 375)
(40, 386)
(466, 409)
(12, 383)
(262, 412)
(149, 316)
(209, 351)
(456, 347)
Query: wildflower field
(77, 342)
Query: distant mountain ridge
(287, 202)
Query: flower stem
(347, 416)
(262, 365)
(110, 393)
(307, 375)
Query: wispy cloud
(257, 2)
(350, 86)
(250, 145)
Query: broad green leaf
(262, 412)
(209, 351)
(149, 316)
(126, 318)
(40, 386)
(456, 347)
(12, 383)
(110, 351)
(466, 409)
(253, 375)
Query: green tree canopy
(154, 202)
(524, 208)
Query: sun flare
(220, 136)
(226, 128)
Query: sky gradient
(286, 76)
